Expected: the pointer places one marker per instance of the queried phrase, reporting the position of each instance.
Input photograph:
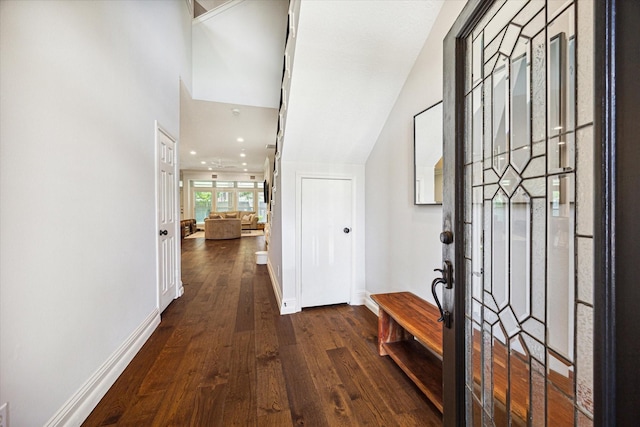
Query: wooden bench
(403, 316)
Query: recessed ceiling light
(243, 155)
(210, 169)
(245, 170)
(244, 163)
(240, 139)
(203, 162)
(192, 152)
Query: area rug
(196, 235)
(252, 233)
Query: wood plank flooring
(223, 356)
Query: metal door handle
(163, 232)
(435, 283)
(447, 281)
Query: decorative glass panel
(477, 361)
(585, 269)
(500, 147)
(519, 383)
(477, 60)
(500, 376)
(539, 88)
(538, 394)
(584, 181)
(584, 368)
(500, 248)
(529, 335)
(520, 101)
(520, 285)
(560, 265)
(584, 64)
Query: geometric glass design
(510, 181)
(529, 326)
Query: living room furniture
(187, 227)
(222, 228)
(249, 218)
(249, 221)
(409, 332)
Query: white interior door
(168, 265)
(326, 242)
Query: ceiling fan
(220, 165)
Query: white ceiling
(238, 51)
(351, 61)
(352, 58)
(211, 129)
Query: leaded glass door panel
(524, 170)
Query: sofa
(249, 219)
(222, 228)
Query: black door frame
(616, 223)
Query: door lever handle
(435, 283)
(447, 281)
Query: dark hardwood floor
(223, 356)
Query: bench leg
(389, 331)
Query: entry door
(326, 242)
(519, 199)
(168, 270)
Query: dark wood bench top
(417, 316)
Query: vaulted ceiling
(351, 60)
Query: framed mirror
(427, 150)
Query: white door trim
(298, 227)
(179, 288)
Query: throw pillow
(215, 216)
(246, 218)
(231, 215)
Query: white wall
(402, 240)
(81, 84)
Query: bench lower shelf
(421, 365)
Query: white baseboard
(180, 290)
(79, 406)
(370, 304)
(359, 298)
(288, 306)
(285, 306)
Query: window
(224, 201)
(225, 196)
(246, 201)
(262, 207)
(224, 184)
(202, 205)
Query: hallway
(223, 356)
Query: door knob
(163, 232)
(446, 237)
(346, 230)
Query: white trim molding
(79, 406)
(358, 298)
(285, 306)
(370, 304)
